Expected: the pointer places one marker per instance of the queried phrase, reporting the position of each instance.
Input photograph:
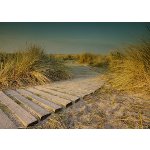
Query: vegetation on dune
(31, 66)
(130, 70)
(93, 59)
(65, 57)
(84, 58)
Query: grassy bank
(29, 67)
(130, 69)
(65, 57)
(93, 60)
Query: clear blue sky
(70, 37)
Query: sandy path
(106, 108)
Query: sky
(96, 37)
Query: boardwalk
(25, 107)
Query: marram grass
(31, 66)
(130, 70)
(95, 60)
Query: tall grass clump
(31, 66)
(130, 70)
(64, 57)
(93, 59)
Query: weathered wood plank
(59, 94)
(5, 122)
(70, 92)
(25, 117)
(80, 87)
(76, 88)
(84, 88)
(55, 99)
(44, 103)
(31, 106)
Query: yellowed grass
(131, 70)
(93, 59)
(31, 66)
(65, 56)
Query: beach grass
(130, 68)
(28, 67)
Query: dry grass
(93, 59)
(65, 57)
(130, 70)
(31, 66)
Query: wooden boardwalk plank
(76, 88)
(59, 94)
(55, 99)
(70, 92)
(5, 122)
(79, 87)
(64, 86)
(44, 103)
(31, 106)
(25, 117)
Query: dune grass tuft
(31, 66)
(130, 70)
(93, 59)
(65, 57)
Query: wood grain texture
(5, 122)
(70, 92)
(31, 106)
(57, 93)
(41, 101)
(52, 98)
(25, 117)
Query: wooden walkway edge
(32, 104)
